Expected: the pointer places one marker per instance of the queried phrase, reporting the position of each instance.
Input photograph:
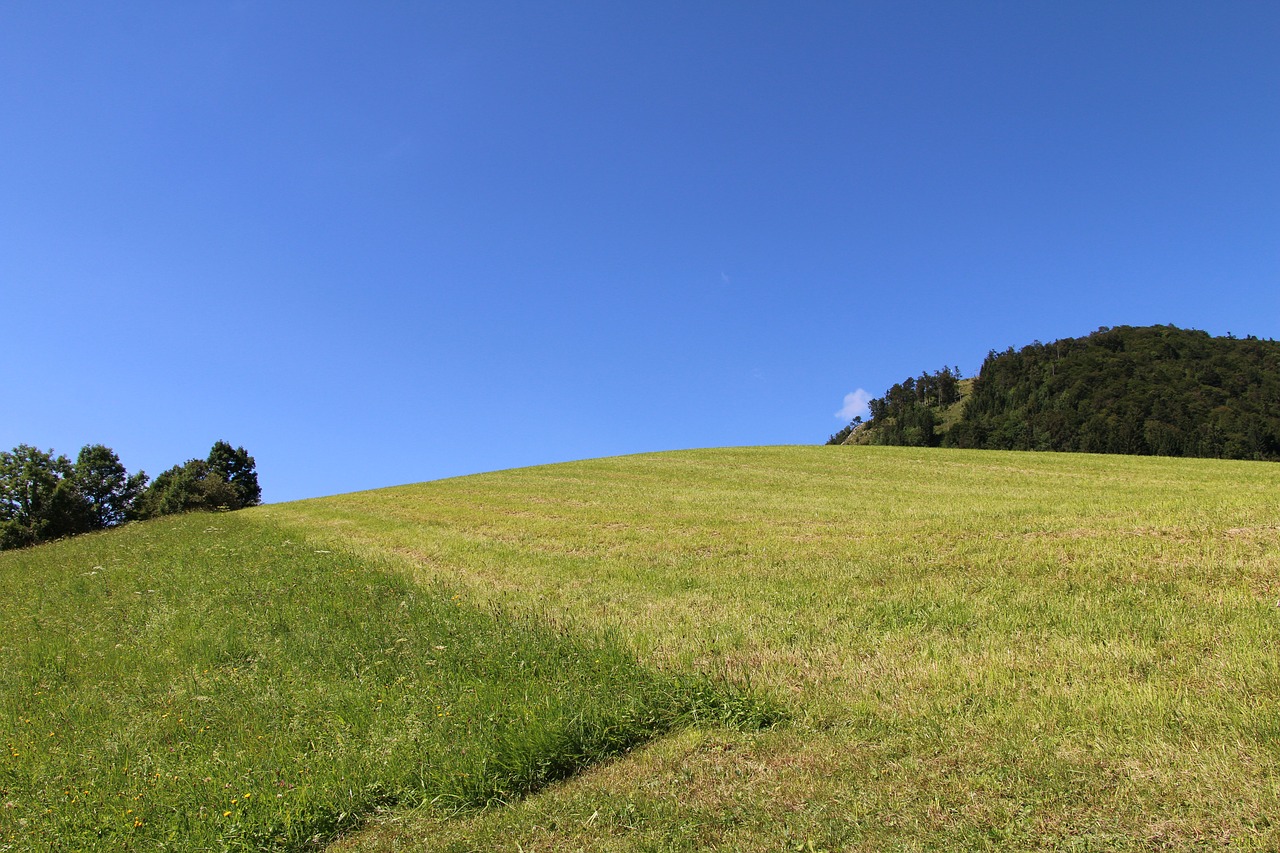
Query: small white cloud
(855, 406)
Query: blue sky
(380, 243)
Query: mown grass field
(977, 649)
(215, 682)
(973, 650)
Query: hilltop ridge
(1139, 390)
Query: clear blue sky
(381, 243)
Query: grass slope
(979, 649)
(220, 683)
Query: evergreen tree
(1137, 390)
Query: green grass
(974, 650)
(977, 649)
(218, 682)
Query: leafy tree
(44, 497)
(186, 488)
(38, 498)
(107, 489)
(226, 480)
(236, 468)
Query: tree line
(1149, 390)
(909, 412)
(45, 497)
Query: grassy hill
(973, 649)
(211, 682)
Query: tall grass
(218, 682)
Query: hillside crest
(1142, 390)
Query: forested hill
(1138, 390)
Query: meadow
(976, 649)
(214, 682)
(808, 648)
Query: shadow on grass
(217, 682)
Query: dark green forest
(1149, 390)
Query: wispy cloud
(855, 405)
